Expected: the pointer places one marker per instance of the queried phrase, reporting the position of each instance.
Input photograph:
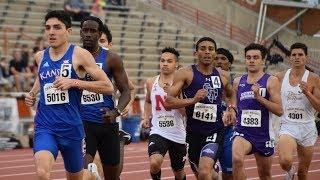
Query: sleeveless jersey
(166, 123)
(204, 117)
(296, 106)
(92, 103)
(253, 119)
(58, 110)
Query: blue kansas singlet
(204, 117)
(58, 110)
(92, 103)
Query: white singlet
(298, 119)
(296, 106)
(166, 123)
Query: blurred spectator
(39, 44)
(76, 8)
(21, 75)
(98, 9)
(17, 45)
(25, 55)
(4, 71)
(32, 63)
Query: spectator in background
(25, 55)
(4, 71)
(98, 9)
(21, 75)
(17, 46)
(39, 44)
(76, 8)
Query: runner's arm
(314, 97)
(120, 79)
(147, 102)
(102, 83)
(172, 101)
(274, 103)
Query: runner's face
(254, 61)
(168, 63)
(222, 61)
(103, 41)
(56, 32)
(206, 53)
(90, 34)
(298, 58)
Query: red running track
(19, 164)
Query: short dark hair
(254, 46)
(299, 46)
(93, 18)
(61, 15)
(107, 32)
(226, 53)
(170, 50)
(206, 39)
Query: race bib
(205, 112)
(55, 96)
(251, 118)
(165, 121)
(91, 97)
(295, 114)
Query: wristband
(234, 108)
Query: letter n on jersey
(159, 100)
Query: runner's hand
(229, 117)
(30, 99)
(305, 89)
(256, 89)
(125, 112)
(166, 87)
(109, 116)
(145, 123)
(63, 83)
(201, 94)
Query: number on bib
(165, 121)
(205, 112)
(65, 70)
(251, 118)
(212, 138)
(270, 144)
(54, 96)
(91, 97)
(295, 113)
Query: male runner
(224, 60)
(300, 100)
(58, 126)
(167, 126)
(99, 135)
(256, 94)
(202, 86)
(125, 138)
